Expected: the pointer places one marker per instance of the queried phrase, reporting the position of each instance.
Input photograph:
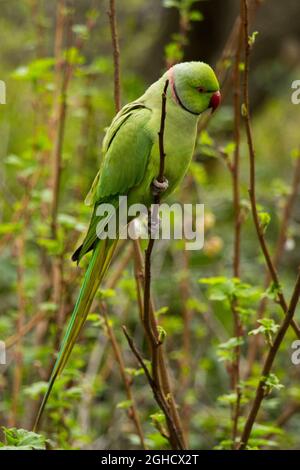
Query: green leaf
(162, 311)
(171, 3)
(124, 405)
(264, 220)
(161, 333)
(158, 417)
(10, 228)
(271, 382)
(252, 38)
(173, 52)
(38, 69)
(21, 439)
(196, 15)
(36, 389)
(134, 372)
(244, 110)
(227, 351)
(273, 291)
(268, 328)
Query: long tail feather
(97, 267)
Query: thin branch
(238, 330)
(21, 292)
(116, 53)
(26, 328)
(160, 364)
(289, 311)
(261, 388)
(57, 124)
(279, 250)
(227, 56)
(252, 187)
(149, 323)
(132, 412)
(164, 375)
(157, 393)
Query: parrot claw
(159, 187)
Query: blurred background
(57, 64)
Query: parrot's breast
(179, 142)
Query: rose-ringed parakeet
(130, 166)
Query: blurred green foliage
(88, 407)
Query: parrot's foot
(159, 187)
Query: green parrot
(130, 166)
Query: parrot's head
(194, 86)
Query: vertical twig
(17, 378)
(187, 358)
(175, 430)
(63, 71)
(288, 310)
(116, 53)
(161, 369)
(132, 412)
(279, 250)
(252, 184)
(237, 230)
(115, 346)
(261, 388)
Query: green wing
(127, 146)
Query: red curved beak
(215, 100)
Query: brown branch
(12, 340)
(161, 369)
(116, 53)
(149, 322)
(287, 213)
(132, 412)
(279, 250)
(186, 361)
(260, 391)
(289, 311)
(252, 186)
(117, 82)
(157, 393)
(18, 354)
(63, 73)
(64, 70)
(119, 268)
(287, 414)
(227, 56)
(238, 330)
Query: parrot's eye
(201, 89)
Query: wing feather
(127, 147)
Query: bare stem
(238, 330)
(288, 310)
(252, 186)
(261, 388)
(279, 251)
(149, 322)
(18, 371)
(116, 53)
(132, 412)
